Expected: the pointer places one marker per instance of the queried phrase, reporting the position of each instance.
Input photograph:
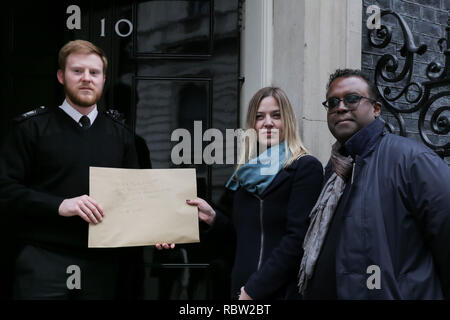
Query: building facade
(178, 64)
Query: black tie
(85, 122)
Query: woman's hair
(80, 46)
(294, 144)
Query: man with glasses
(381, 226)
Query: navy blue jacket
(396, 217)
(269, 229)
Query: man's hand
(84, 206)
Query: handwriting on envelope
(143, 207)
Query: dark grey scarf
(322, 213)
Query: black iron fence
(407, 86)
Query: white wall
(256, 50)
(296, 44)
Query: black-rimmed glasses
(351, 102)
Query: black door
(171, 64)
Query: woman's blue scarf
(256, 175)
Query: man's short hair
(345, 73)
(80, 46)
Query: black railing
(394, 78)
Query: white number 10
(74, 22)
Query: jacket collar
(362, 142)
(282, 176)
(279, 179)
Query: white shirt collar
(75, 115)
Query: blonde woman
(268, 211)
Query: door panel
(181, 28)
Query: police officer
(44, 184)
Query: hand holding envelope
(143, 207)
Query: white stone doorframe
(296, 44)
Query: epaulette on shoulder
(115, 115)
(118, 118)
(31, 114)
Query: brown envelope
(143, 207)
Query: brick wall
(427, 20)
